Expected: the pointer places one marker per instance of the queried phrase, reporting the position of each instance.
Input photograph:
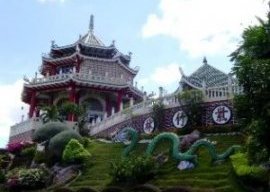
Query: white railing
(170, 101)
(221, 92)
(28, 125)
(78, 76)
(139, 109)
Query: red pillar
(72, 99)
(119, 100)
(32, 104)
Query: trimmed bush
(254, 175)
(75, 152)
(58, 142)
(133, 170)
(48, 130)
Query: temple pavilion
(85, 72)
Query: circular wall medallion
(221, 114)
(180, 119)
(149, 125)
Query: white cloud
(164, 76)
(205, 27)
(10, 107)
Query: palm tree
(50, 113)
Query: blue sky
(162, 35)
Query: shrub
(75, 153)
(85, 141)
(2, 177)
(133, 169)
(17, 147)
(26, 178)
(40, 157)
(248, 174)
(59, 141)
(48, 130)
(29, 152)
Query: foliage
(17, 147)
(2, 177)
(74, 152)
(85, 141)
(63, 189)
(252, 69)
(86, 189)
(146, 188)
(158, 114)
(40, 157)
(113, 189)
(48, 130)
(192, 100)
(59, 141)
(78, 111)
(29, 152)
(27, 178)
(133, 169)
(257, 140)
(50, 113)
(249, 174)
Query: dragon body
(189, 155)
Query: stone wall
(214, 113)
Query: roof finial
(91, 24)
(204, 60)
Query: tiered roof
(206, 76)
(89, 45)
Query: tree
(158, 114)
(252, 69)
(51, 113)
(192, 100)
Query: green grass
(205, 177)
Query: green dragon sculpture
(189, 155)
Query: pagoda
(87, 73)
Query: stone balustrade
(25, 126)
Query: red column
(72, 99)
(119, 100)
(32, 104)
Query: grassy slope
(205, 177)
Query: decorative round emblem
(149, 125)
(221, 114)
(180, 119)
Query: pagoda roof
(206, 76)
(88, 45)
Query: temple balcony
(81, 77)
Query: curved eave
(183, 79)
(57, 48)
(81, 83)
(55, 60)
